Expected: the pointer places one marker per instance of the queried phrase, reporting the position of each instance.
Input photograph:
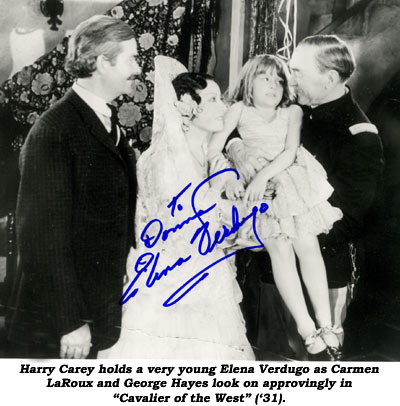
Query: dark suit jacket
(75, 217)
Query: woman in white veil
(176, 303)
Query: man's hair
(99, 35)
(255, 66)
(332, 54)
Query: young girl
(270, 129)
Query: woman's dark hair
(190, 83)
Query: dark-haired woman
(177, 304)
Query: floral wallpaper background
(184, 29)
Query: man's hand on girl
(234, 189)
(256, 189)
(247, 165)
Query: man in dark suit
(76, 203)
(337, 132)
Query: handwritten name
(206, 242)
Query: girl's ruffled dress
(300, 204)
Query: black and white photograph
(200, 180)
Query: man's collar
(333, 110)
(335, 102)
(95, 102)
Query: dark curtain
(199, 29)
(263, 27)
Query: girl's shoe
(317, 349)
(331, 336)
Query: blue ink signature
(154, 230)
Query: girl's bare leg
(288, 283)
(313, 272)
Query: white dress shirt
(98, 105)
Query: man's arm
(357, 172)
(248, 166)
(233, 137)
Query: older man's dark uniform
(343, 140)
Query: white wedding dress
(207, 322)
